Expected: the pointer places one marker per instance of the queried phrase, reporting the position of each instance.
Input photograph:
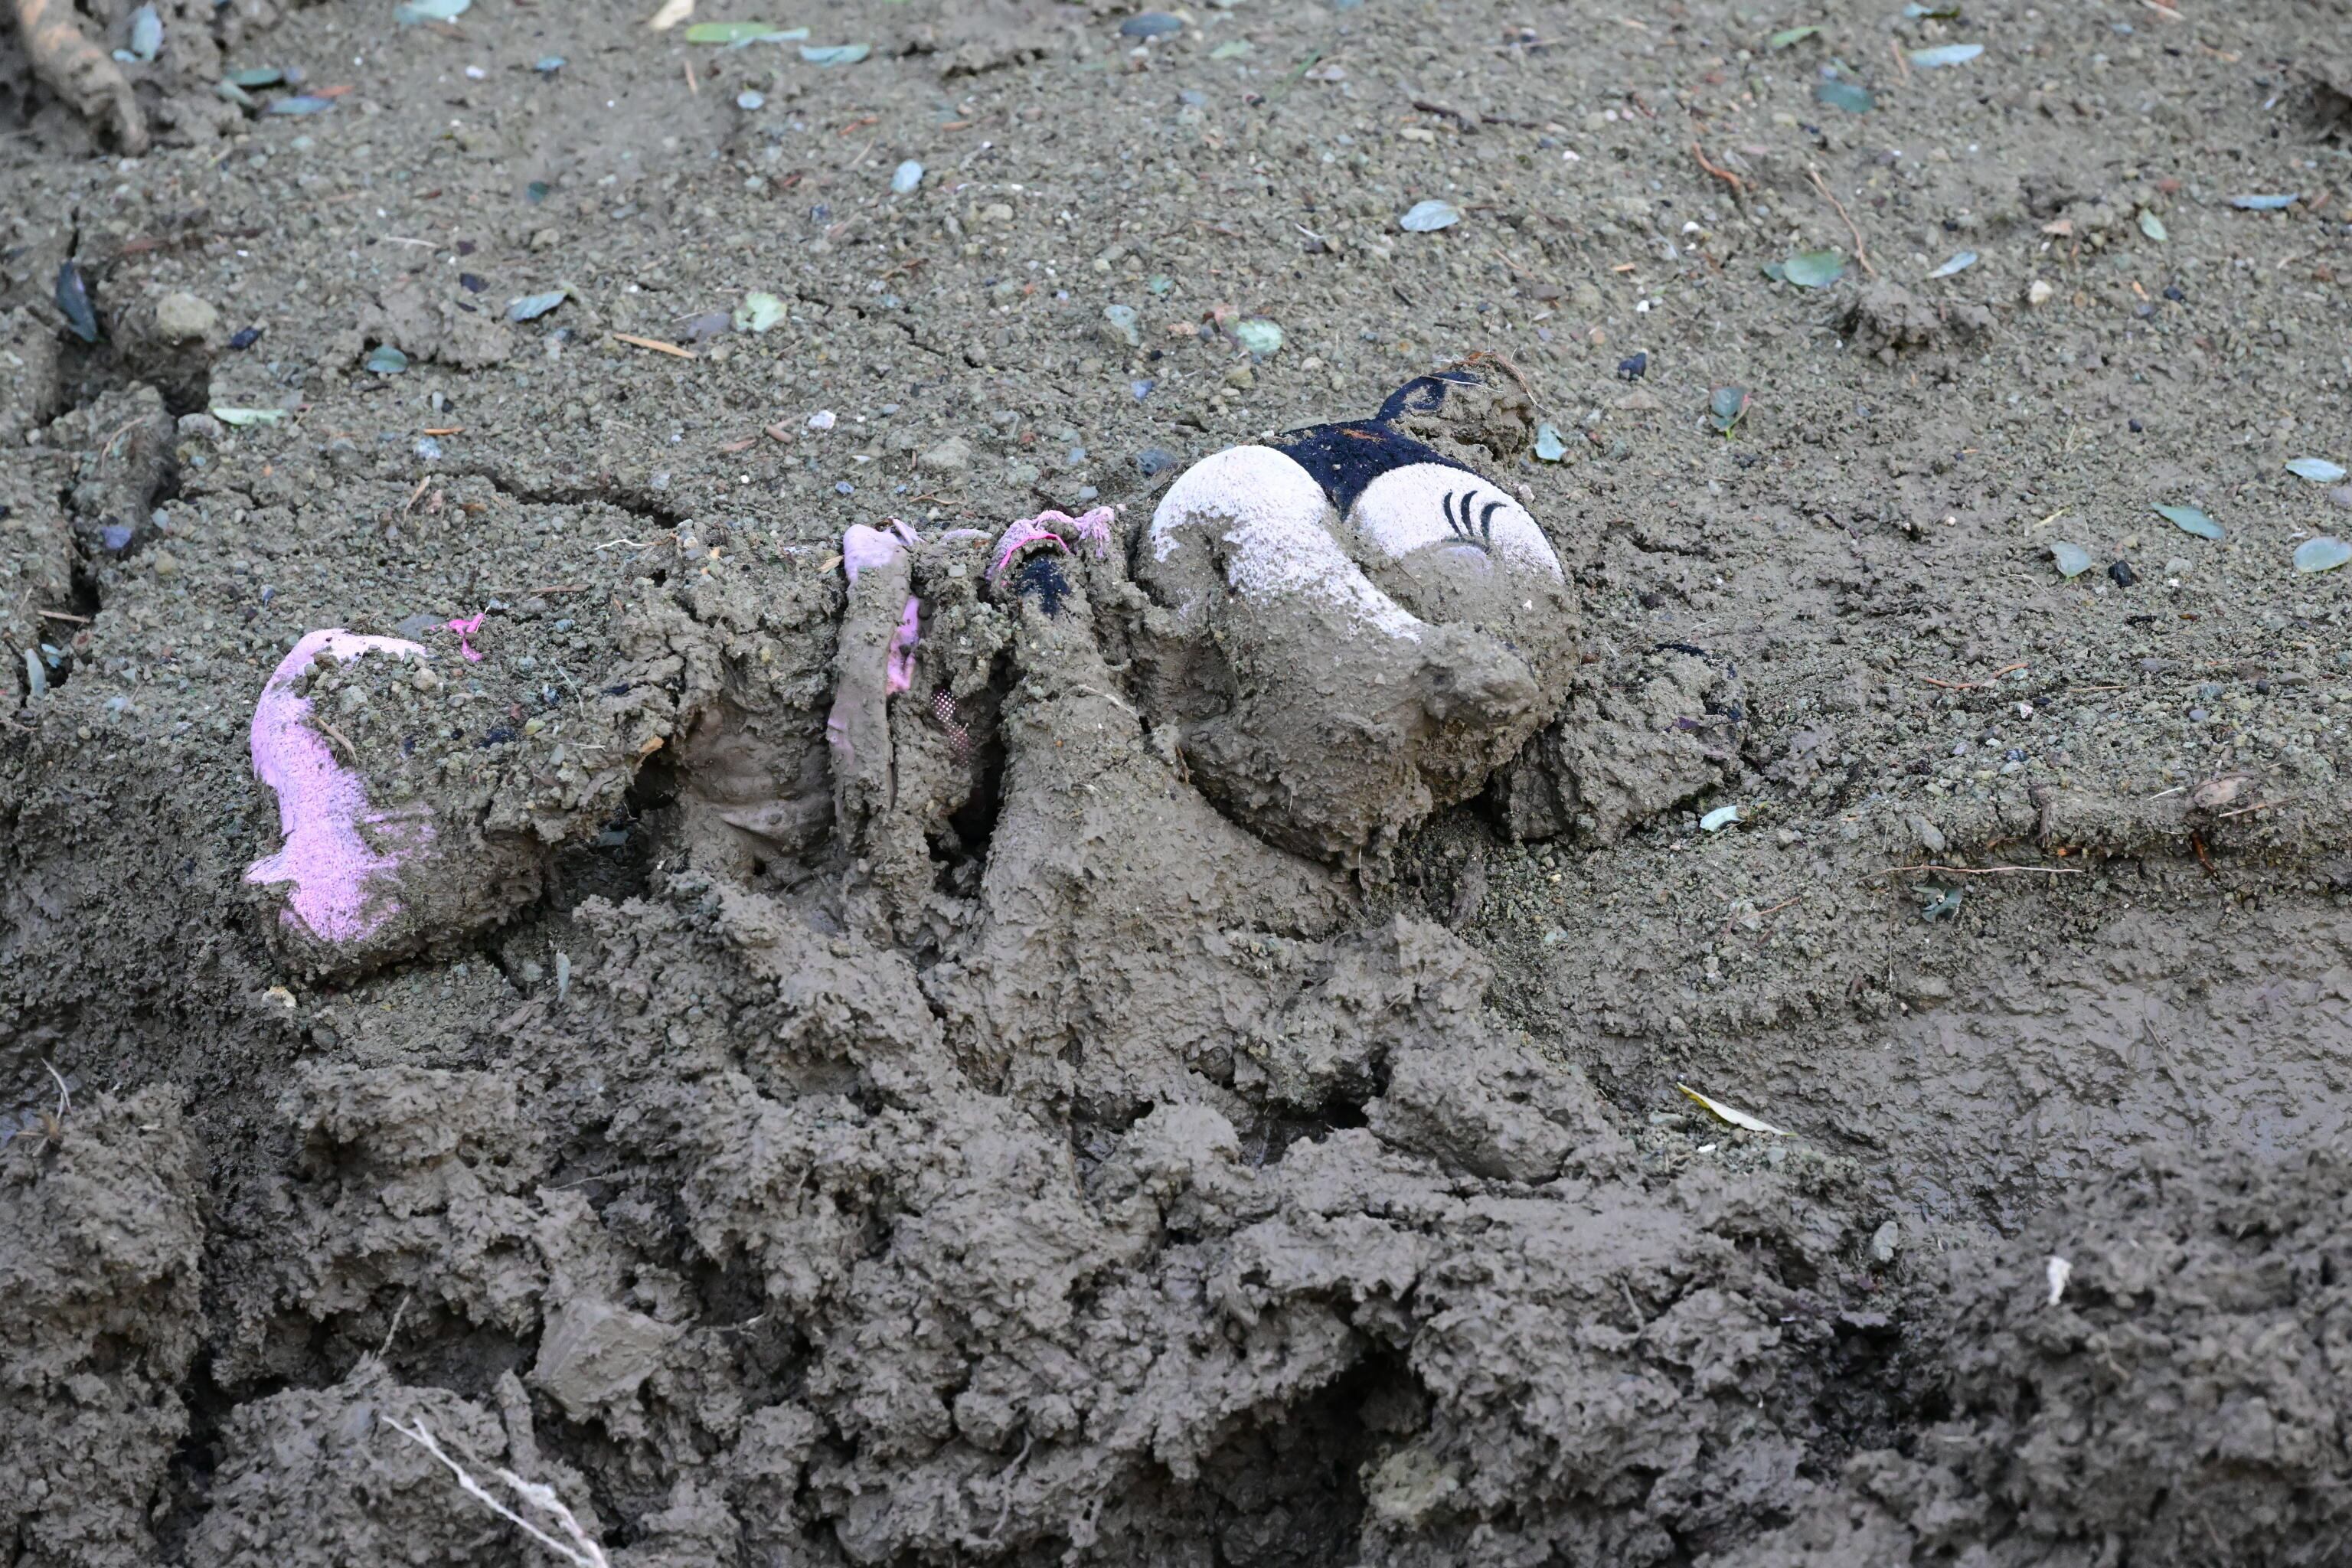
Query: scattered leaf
(749, 101)
(531, 306)
(1725, 407)
(230, 92)
(1787, 35)
(411, 12)
(1943, 904)
(146, 33)
(1721, 817)
(255, 75)
(1848, 96)
(2318, 470)
(243, 417)
(385, 360)
(2321, 555)
(1151, 24)
(1260, 336)
(1944, 55)
(301, 103)
(739, 34)
(1813, 268)
(1423, 216)
(1549, 446)
(2152, 226)
(1959, 262)
(1732, 1114)
(2190, 520)
(536, 192)
(1231, 49)
(1917, 12)
(548, 65)
(835, 54)
(73, 299)
(906, 177)
(671, 14)
(2073, 560)
(2264, 204)
(757, 313)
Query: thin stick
(65, 1096)
(61, 615)
(1739, 186)
(1860, 251)
(1902, 61)
(1987, 871)
(656, 344)
(2265, 806)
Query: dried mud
(1141, 1093)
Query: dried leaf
(1733, 1114)
(1725, 407)
(1549, 446)
(2318, 470)
(1844, 95)
(385, 360)
(531, 307)
(835, 54)
(1721, 817)
(2152, 226)
(2263, 204)
(412, 12)
(735, 35)
(243, 417)
(1944, 55)
(1959, 262)
(1813, 268)
(757, 313)
(1788, 36)
(2072, 560)
(1424, 216)
(2321, 555)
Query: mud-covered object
(1354, 627)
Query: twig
(1860, 251)
(2265, 806)
(410, 503)
(339, 735)
(1739, 186)
(61, 615)
(65, 1096)
(654, 343)
(1974, 685)
(1987, 871)
(384, 1349)
(583, 1553)
(1902, 61)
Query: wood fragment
(1739, 186)
(1860, 251)
(654, 343)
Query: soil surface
(1096, 1057)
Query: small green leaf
(1917, 12)
(243, 417)
(1231, 49)
(416, 11)
(2321, 555)
(1813, 268)
(2190, 520)
(1944, 55)
(1787, 35)
(1721, 817)
(2263, 204)
(385, 360)
(1258, 335)
(2072, 560)
(835, 54)
(2318, 470)
(2152, 226)
(1844, 95)
(255, 75)
(1725, 407)
(757, 313)
(739, 33)
(1549, 445)
(1424, 216)
(301, 103)
(531, 307)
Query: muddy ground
(982, 1139)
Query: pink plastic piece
(322, 805)
(900, 672)
(1019, 536)
(466, 629)
(863, 547)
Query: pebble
(906, 177)
(1633, 366)
(1118, 328)
(180, 318)
(1151, 24)
(1154, 460)
(750, 100)
(953, 455)
(2123, 573)
(822, 419)
(428, 450)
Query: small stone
(1931, 838)
(2038, 292)
(822, 419)
(906, 177)
(181, 318)
(953, 455)
(1118, 328)
(996, 212)
(1241, 377)
(1153, 462)
(1885, 1241)
(2123, 573)
(201, 426)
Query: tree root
(78, 70)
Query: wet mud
(971, 920)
